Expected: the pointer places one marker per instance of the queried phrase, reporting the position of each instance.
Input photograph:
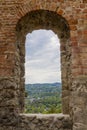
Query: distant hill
(45, 84)
(42, 89)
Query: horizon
(44, 83)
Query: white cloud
(42, 57)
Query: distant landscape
(43, 98)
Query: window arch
(46, 20)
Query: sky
(42, 61)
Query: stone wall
(71, 28)
(41, 122)
(45, 122)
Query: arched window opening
(44, 19)
(42, 72)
